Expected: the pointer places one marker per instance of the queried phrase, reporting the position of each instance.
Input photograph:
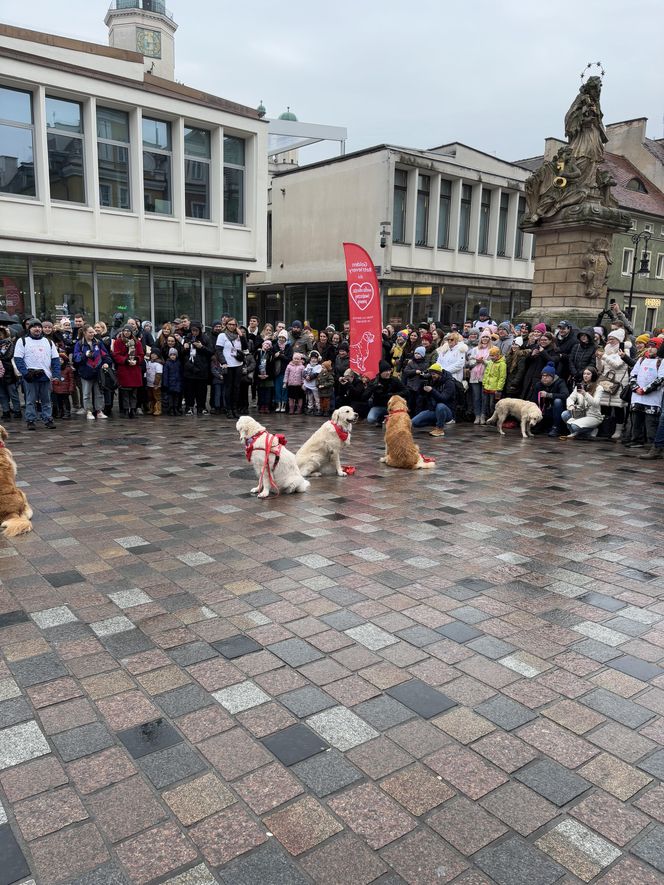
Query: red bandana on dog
(341, 433)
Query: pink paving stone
(530, 694)
(466, 825)
(574, 716)
(48, 813)
(145, 661)
(422, 858)
(352, 690)
(70, 714)
(384, 675)
(654, 730)
(505, 751)
(100, 770)
(203, 724)
(372, 815)
(127, 709)
(125, 809)
(67, 854)
(613, 819)
(266, 719)
(33, 778)
(614, 776)
(302, 825)
(465, 770)
(630, 871)
(344, 859)
(556, 742)
(433, 672)
(565, 683)
(652, 803)
(468, 691)
(520, 808)
(417, 789)
(268, 788)
(279, 681)
(234, 753)
(216, 674)
(155, 853)
(54, 692)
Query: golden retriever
(321, 453)
(526, 412)
(400, 448)
(278, 471)
(15, 512)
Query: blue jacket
(90, 367)
(172, 377)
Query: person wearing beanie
(310, 383)
(551, 394)
(301, 342)
(613, 366)
(484, 320)
(646, 382)
(128, 356)
(641, 343)
(171, 383)
(541, 328)
(505, 338)
(477, 360)
(436, 402)
(413, 376)
(541, 352)
(198, 351)
(38, 361)
(379, 390)
(397, 351)
(566, 340)
(493, 382)
(342, 361)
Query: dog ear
(335, 416)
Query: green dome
(288, 115)
(261, 109)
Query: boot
(652, 453)
(157, 409)
(617, 433)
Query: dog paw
(383, 460)
(255, 489)
(263, 494)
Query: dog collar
(249, 443)
(2, 445)
(341, 433)
(398, 412)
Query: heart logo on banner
(362, 294)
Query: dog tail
(16, 525)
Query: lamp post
(644, 267)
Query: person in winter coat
(379, 390)
(171, 384)
(542, 354)
(397, 351)
(342, 362)
(437, 401)
(413, 376)
(230, 353)
(582, 354)
(351, 392)
(91, 359)
(282, 354)
(583, 413)
(128, 356)
(147, 336)
(493, 382)
(63, 388)
(505, 338)
(325, 382)
(476, 361)
(566, 340)
(197, 353)
(412, 342)
(265, 377)
(613, 367)
(8, 388)
(646, 381)
(293, 380)
(38, 361)
(516, 370)
(551, 394)
(452, 355)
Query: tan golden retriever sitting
(526, 412)
(15, 512)
(321, 453)
(400, 448)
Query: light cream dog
(400, 448)
(15, 512)
(321, 453)
(526, 412)
(276, 467)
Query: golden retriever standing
(15, 512)
(526, 412)
(400, 448)
(321, 453)
(275, 466)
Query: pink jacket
(294, 375)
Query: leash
(274, 442)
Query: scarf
(341, 433)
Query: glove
(35, 374)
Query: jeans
(439, 417)
(217, 394)
(476, 391)
(280, 392)
(93, 396)
(553, 414)
(38, 391)
(488, 403)
(9, 393)
(376, 414)
(580, 432)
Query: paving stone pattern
(391, 679)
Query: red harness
(341, 433)
(274, 442)
(397, 412)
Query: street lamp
(644, 267)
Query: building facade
(441, 226)
(122, 192)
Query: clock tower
(144, 26)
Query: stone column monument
(570, 211)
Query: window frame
(519, 238)
(649, 227)
(30, 127)
(161, 152)
(402, 190)
(444, 216)
(627, 251)
(484, 221)
(503, 224)
(54, 130)
(204, 161)
(465, 213)
(659, 266)
(243, 169)
(114, 143)
(422, 208)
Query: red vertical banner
(366, 327)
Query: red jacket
(66, 383)
(128, 376)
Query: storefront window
(223, 294)
(397, 305)
(123, 291)
(17, 170)
(478, 298)
(425, 304)
(317, 306)
(501, 306)
(520, 302)
(453, 306)
(63, 287)
(176, 291)
(338, 305)
(15, 286)
(294, 304)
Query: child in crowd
(325, 382)
(154, 370)
(493, 382)
(310, 385)
(63, 388)
(646, 381)
(172, 382)
(265, 377)
(217, 392)
(293, 380)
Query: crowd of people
(597, 381)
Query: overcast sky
(495, 74)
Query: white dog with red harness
(321, 453)
(275, 466)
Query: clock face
(148, 42)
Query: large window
(15, 286)
(157, 167)
(17, 167)
(397, 304)
(422, 212)
(113, 158)
(223, 294)
(444, 213)
(63, 286)
(338, 305)
(627, 261)
(176, 291)
(503, 216)
(295, 298)
(400, 200)
(464, 217)
(123, 291)
(485, 217)
(66, 167)
(234, 173)
(317, 306)
(196, 173)
(518, 241)
(453, 306)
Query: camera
(425, 376)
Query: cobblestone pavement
(450, 676)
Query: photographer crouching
(436, 401)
